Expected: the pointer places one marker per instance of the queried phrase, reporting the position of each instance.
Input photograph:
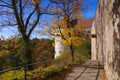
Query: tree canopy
(64, 23)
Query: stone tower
(59, 47)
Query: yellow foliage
(16, 46)
(75, 41)
(78, 15)
(62, 23)
(45, 31)
(66, 17)
(12, 75)
(53, 44)
(57, 9)
(36, 1)
(66, 32)
(78, 28)
(4, 52)
(65, 42)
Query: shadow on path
(91, 70)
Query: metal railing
(36, 65)
(32, 64)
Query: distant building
(86, 27)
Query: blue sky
(89, 12)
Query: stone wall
(106, 45)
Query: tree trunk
(28, 51)
(27, 56)
(72, 53)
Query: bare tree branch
(36, 22)
(6, 12)
(5, 2)
(9, 24)
(21, 12)
(20, 26)
(5, 6)
(28, 18)
(1, 28)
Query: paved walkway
(88, 71)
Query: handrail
(18, 67)
(10, 69)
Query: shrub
(83, 52)
(13, 75)
(64, 59)
(60, 67)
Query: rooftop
(86, 23)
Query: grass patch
(83, 52)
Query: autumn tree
(8, 46)
(25, 15)
(64, 23)
(43, 50)
(8, 52)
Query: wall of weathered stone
(106, 46)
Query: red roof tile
(86, 23)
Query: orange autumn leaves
(7, 46)
(43, 50)
(64, 24)
(68, 34)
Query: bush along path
(90, 70)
